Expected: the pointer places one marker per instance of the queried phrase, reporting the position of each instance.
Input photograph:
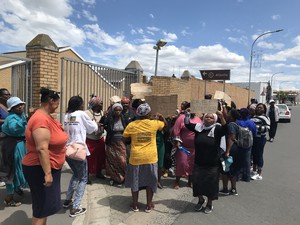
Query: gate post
(44, 54)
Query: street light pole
(272, 82)
(160, 43)
(251, 56)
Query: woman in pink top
(184, 162)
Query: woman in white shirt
(77, 124)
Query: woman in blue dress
(14, 126)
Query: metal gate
(86, 79)
(20, 70)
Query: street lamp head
(156, 47)
(161, 43)
(279, 30)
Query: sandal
(12, 203)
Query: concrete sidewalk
(109, 205)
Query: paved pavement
(109, 205)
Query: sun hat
(143, 109)
(272, 100)
(12, 102)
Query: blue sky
(215, 34)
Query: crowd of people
(130, 145)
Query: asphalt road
(272, 201)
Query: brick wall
(192, 89)
(44, 72)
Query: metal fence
(86, 79)
(20, 71)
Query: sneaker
(254, 177)
(149, 208)
(271, 140)
(134, 208)
(224, 191)
(77, 212)
(233, 192)
(2, 184)
(67, 203)
(208, 209)
(199, 206)
(259, 177)
(252, 173)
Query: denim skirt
(46, 201)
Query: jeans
(244, 163)
(258, 151)
(78, 180)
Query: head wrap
(215, 116)
(143, 109)
(125, 99)
(95, 101)
(115, 99)
(116, 105)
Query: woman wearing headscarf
(128, 113)
(207, 157)
(95, 141)
(14, 126)
(262, 123)
(77, 124)
(115, 148)
(142, 167)
(184, 163)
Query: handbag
(76, 151)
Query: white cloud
(276, 17)
(151, 15)
(270, 45)
(281, 65)
(100, 38)
(154, 29)
(150, 32)
(170, 37)
(90, 2)
(28, 18)
(185, 33)
(89, 16)
(240, 40)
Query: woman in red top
(45, 156)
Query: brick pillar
(44, 54)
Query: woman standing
(115, 148)
(184, 162)
(45, 156)
(142, 167)
(14, 126)
(77, 124)
(262, 123)
(273, 114)
(4, 96)
(95, 141)
(207, 158)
